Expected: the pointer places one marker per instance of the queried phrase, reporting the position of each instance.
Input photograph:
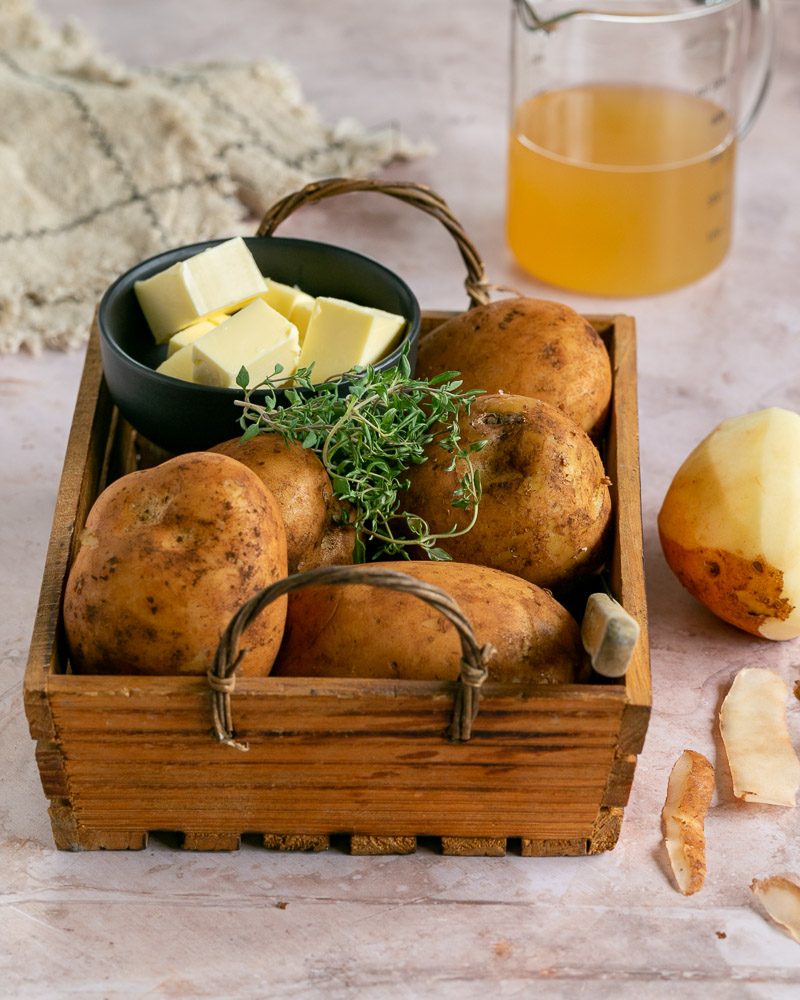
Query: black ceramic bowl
(180, 416)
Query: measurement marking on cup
(713, 198)
(711, 86)
(714, 234)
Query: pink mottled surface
(253, 924)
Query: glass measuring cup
(625, 119)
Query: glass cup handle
(762, 20)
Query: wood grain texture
(367, 844)
(606, 830)
(121, 756)
(211, 842)
(627, 566)
(475, 847)
(296, 842)
(531, 848)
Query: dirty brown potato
(526, 347)
(167, 556)
(546, 508)
(317, 532)
(354, 630)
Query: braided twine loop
(418, 195)
(474, 658)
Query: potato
(546, 507)
(527, 347)
(167, 556)
(317, 532)
(354, 630)
(727, 523)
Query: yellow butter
(257, 337)
(179, 364)
(301, 313)
(189, 290)
(180, 339)
(289, 300)
(341, 335)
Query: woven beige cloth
(102, 167)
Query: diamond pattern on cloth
(103, 166)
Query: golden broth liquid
(620, 190)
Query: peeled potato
(728, 526)
(317, 532)
(527, 347)
(546, 508)
(166, 557)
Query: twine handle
(419, 195)
(222, 673)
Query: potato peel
(689, 791)
(780, 897)
(764, 765)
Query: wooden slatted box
(120, 757)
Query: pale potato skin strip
(764, 765)
(780, 897)
(689, 791)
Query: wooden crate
(120, 757)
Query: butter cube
(179, 364)
(212, 279)
(341, 335)
(301, 313)
(288, 299)
(257, 337)
(180, 339)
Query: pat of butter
(220, 315)
(184, 337)
(257, 337)
(291, 302)
(179, 364)
(301, 313)
(212, 279)
(341, 335)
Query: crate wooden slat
(120, 757)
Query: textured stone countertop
(162, 923)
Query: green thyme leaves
(367, 438)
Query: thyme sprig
(368, 439)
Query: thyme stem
(368, 438)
